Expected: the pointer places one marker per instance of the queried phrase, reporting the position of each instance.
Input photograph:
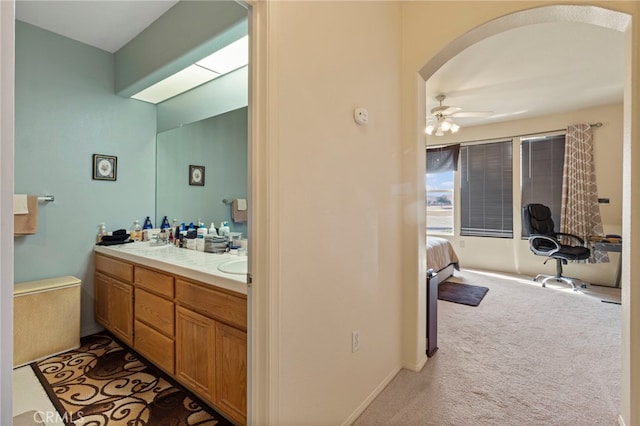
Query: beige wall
(335, 189)
(513, 255)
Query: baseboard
(88, 331)
(369, 399)
(417, 367)
(620, 420)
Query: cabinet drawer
(154, 281)
(215, 304)
(115, 268)
(155, 346)
(155, 311)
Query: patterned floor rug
(104, 383)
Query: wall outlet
(355, 340)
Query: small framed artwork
(196, 175)
(105, 167)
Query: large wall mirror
(219, 146)
(202, 132)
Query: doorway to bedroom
(514, 251)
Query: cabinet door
(195, 352)
(121, 310)
(101, 296)
(231, 371)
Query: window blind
(486, 205)
(542, 166)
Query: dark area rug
(105, 383)
(465, 294)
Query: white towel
(242, 204)
(20, 204)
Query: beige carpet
(526, 355)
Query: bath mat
(105, 383)
(464, 294)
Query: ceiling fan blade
(472, 114)
(450, 110)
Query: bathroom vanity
(179, 310)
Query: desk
(614, 246)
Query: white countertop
(196, 265)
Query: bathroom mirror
(218, 146)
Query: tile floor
(29, 395)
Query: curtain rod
(500, 138)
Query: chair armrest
(575, 237)
(534, 237)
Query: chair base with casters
(559, 278)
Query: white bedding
(440, 254)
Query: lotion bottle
(102, 231)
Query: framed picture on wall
(105, 167)
(196, 175)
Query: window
(440, 202)
(486, 190)
(542, 165)
(442, 162)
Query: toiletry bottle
(135, 233)
(224, 229)
(102, 231)
(147, 224)
(165, 223)
(212, 230)
(176, 237)
(174, 224)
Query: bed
(441, 257)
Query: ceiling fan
(444, 114)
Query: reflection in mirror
(219, 144)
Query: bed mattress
(440, 254)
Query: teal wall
(220, 144)
(66, 111)
(186, 33)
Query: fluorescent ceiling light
(225, 60)
(229, 58)
(180, 82)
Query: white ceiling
(525, 72)
(532, 71)
(105, 24)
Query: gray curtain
(580, 211)
(443, 159)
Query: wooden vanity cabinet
(114, 297)
(154, 317)
(196, 332)
(211, 345)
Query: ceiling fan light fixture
(429, 129)
(445, 126)
(454, 128)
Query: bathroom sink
(237, 266)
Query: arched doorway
(584, 14)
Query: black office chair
(544, 241)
